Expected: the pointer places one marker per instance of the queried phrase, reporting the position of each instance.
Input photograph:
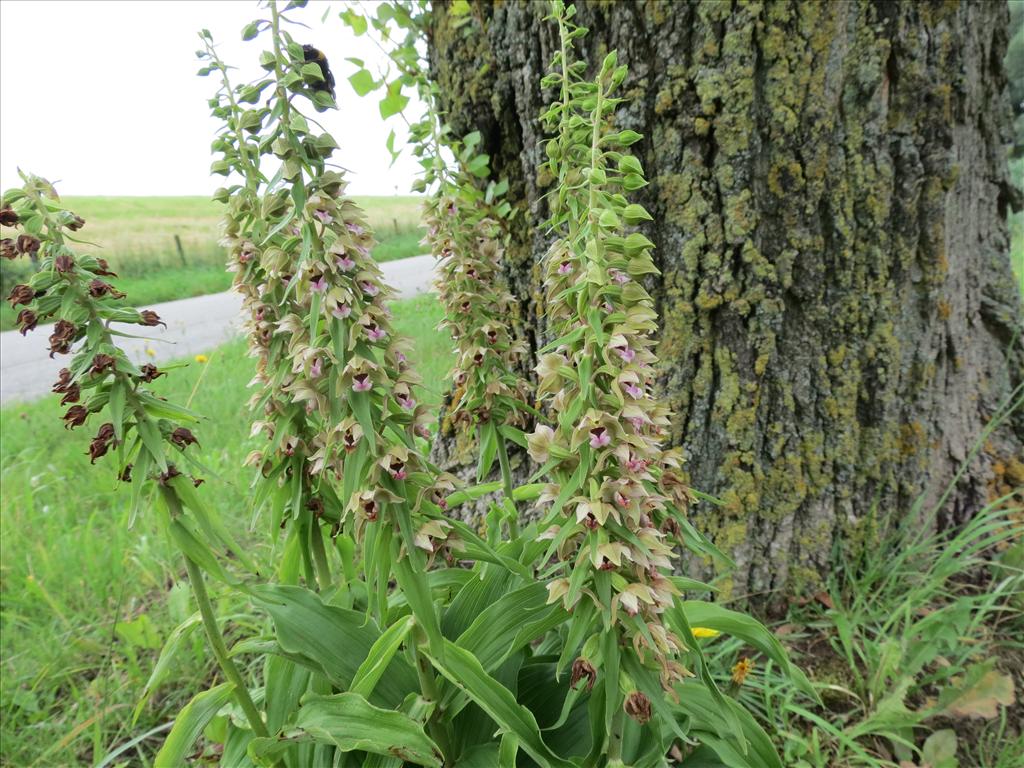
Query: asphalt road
(193, 325)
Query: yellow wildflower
(741, 669)
(150, 351)
(201, 358)
(701, 632)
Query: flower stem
(428, 688)
(615, 738)
(506, 479)
(220, 651)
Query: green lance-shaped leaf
(463, 669)
(189, 724)
(751, 631)
(179, 635)
(380, 655)
(350, 722)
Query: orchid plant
(396, 633)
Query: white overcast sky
(103, 96)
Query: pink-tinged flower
(361, 382)
(245, 257)
(451, 209)
(422, 430)
(324, 216)
(637, 422)
(318, 284)
(355, 229)
(633, 390)
(316, 368)
(634, 464)
(618, 276)
(400, 357)
(345, 264)
(599, 437)
(625, 353)
(363, 250)
(369, 288)
(608, 307)
(374, 332)
(406, 402)
(342, 311)
(621, 500)
(294, 229)
(564, 268)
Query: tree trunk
(829, 191)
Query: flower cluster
(337, 402)
(617, 500)
(478, 307)
(73, 291)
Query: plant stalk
(220, 651)
(428, 687)
(506, 479)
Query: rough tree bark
(828, 183)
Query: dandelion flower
(199, 358)
(702, 632)
(741, 669)
(150, 351)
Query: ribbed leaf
(463, 669)
(380, 655)
(709, 726)
(189, 724)
(163, 664)
(350, 722)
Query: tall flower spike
(337, 395)
(618, 505)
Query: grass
(71, 567)
(137, 235)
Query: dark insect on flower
(27, 319)
(197, 481)
(64, 263)
(583, 670)
(76, 416)
(102, 363)
(311, 54)
(21, 294)
(64, 333)
(98, 288)
(27, 244)
(151, 318)
(8, 249)
(638, 706)
(182, 438)
(151, 372)
(101, 443)
(8, 217)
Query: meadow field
(165, 248)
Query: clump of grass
(71, 569)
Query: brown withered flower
(165, 477)
(104, 269)
(8, 217)
(101, 443)
(76, 416)
(64, 263)
(63, 382)
(61, 338)
(76, 224)
(27, 319)
(71, 395)
(151, 318)
(102, 363)
(27, 244)
(638, 706)
(98, 289)
(583, 670)
(7, 249)
(126, 474)
(21, 294)
(183, 438)
(150, 372)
